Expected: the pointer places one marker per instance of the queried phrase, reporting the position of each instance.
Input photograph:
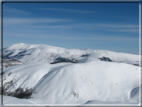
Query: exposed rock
(105, 59)
(10, 62)
(60, 59)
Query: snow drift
(76, 83)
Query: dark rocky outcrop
(10, 62)
(105, 59)
(60, 59)
(85, 55)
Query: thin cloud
(52, 27)
(68, 10)
(9, 21)
(56, 24)
(119, 25)
(124, 30)
(82, 37)
(107, 27)
(13, 10)
(94, 26)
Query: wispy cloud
(108, 27)
(54, 23)
(52, 27)
(123, 30)
(94, 27)
(13, 10)
(32, 20)
(120, 27)
(37, 34)
(68, 10)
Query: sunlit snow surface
(90, 81)
(77, 83)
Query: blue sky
(103, 26)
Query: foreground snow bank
(15, 102)
(67, 83)
(79, 83)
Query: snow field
(76, 83)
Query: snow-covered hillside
(43, 53)
(84, 76)
(67, 83)
(10, 62)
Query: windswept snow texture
(43, 53)
(77, 83)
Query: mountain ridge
(50, 54)
(40, 45)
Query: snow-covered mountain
(83, 77)
(44, 53)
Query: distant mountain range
(50, 54)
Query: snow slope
(10, 62)
(16, 102)
(89, 79)
(49, 54)
(67, 83)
